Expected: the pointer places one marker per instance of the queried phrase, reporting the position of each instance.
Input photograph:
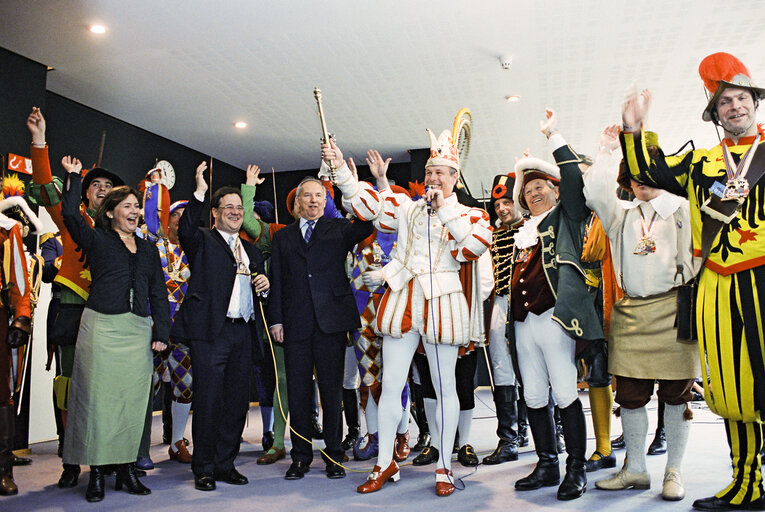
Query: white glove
(372, 278)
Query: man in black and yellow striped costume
(727, 210)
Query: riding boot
(546, 473)
(507, 425)
(574, 429)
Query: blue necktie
(309, 230)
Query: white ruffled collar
(527, 235)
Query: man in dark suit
(312, 308)
(218, 321)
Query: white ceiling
(187, 69)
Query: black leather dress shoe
(297, 470)
(232, 476)
(20, 461)
(69, 476)
(467, 457)
(618, 443)
(335, 471)
(427, 456)
(607, 461)
(715, 503)
(659, 444)
(204, 482)
(544, 475)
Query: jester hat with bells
(528, 169)
(443, 151)
(720, 71)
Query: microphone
(427, 201)
(254, 272)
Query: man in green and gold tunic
(727, 208)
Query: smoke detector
(506, 61)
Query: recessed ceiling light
(98, 29)
(514, 98)
(240, 124)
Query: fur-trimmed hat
(528, 169)
(16, 208)
(720, 71)
(502, 187)
(98, 172)
(443, 151)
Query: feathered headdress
(720, 71)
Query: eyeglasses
(230, 207)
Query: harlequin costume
(553, 313)
(177, 358)
(728, 311)
(73, 276)
(424, 301)
(15, 328)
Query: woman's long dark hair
(110, 202)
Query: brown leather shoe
(401, 448)
(271, 456)
(377, 478)
(444, 482)
(179, 452)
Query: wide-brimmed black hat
(98, 172)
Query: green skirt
(111, 382)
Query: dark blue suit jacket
(309, 286)
(213, 271)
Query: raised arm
(48, 194)
(672, 173)
(252, 226)
(571, 184)
(600, 183)
(188, 234)
(81, 233)
(358, 197)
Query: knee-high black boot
(575, 430)
(546, 473)
(7, 419)
(351, 412)
(507, 424)
(523, 420)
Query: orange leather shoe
(181, 454)
(401, 448)
(444, 485)
(377, 478)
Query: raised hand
(378, 167)
(71, 164)
(331, 154)
(200, 178)
(609, 137)
(253, 175)
(36, 125)
(526, 154)
(635, 109)
(549, 125)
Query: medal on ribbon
(737, 186)
(646, 244)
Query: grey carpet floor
(706, 469)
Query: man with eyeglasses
(219, 321)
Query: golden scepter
(325, 136)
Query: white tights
(397, 358)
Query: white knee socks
(635, 428)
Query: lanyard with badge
(737, 185)
(646, 244)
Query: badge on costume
(646, 245)
(523, 255)
(736, 188)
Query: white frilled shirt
(652, 273)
